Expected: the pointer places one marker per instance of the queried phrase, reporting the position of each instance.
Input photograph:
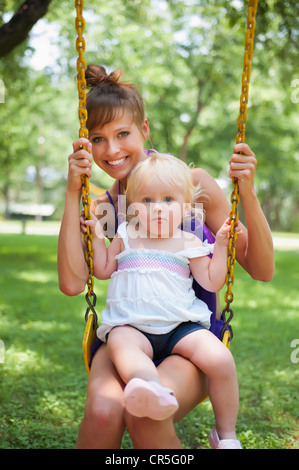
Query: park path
(280, 242)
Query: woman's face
(118, 146)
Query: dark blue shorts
(163, 344)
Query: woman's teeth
(116, 162)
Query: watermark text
(190, 218)
(295, 352)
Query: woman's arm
(254, 249)
(72, 267)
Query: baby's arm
(104, 261)
(210, 273)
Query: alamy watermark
(104, 211)
(295, 353)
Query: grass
(42, 375)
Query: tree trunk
(17, 29)
(6, 200)
(183, 151)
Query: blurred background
(186, 58)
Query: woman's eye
(97, 140)
(123, 134)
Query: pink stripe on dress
(154, 261)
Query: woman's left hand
(242, 166)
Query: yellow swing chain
(235, 196)
(83, 132)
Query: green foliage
(43, 380)
(187, 60)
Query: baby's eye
(168, 199)
(147, 200)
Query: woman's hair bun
(96, 75)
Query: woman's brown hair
(108, 95)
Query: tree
(186, 58)
(18, 27)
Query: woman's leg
(213, 358)
(190, 387)
(103, 424)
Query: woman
(118, 131)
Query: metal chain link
(235, 196)
(83, 132)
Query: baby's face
(160, 208)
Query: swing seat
(89, 339)
(227, 337)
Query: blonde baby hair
(171, 171)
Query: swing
(226, 333)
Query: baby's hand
(95, 227)
(82, 223)
(222, 236)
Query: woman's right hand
(79, 164)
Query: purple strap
(148, 152)
(118, 216)
(115, 213)
(120, 219)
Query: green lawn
(43, 380)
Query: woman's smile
(117, 163)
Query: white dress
(152, 290)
